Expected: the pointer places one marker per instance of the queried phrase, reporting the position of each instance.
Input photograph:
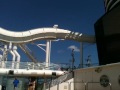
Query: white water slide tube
(25, 72)
(39, 34)
(43, 34)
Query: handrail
(28, 65)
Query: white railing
(28, 65)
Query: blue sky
(74, 15)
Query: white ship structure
(51, 76)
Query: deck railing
(28, 65)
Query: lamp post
(88, 61)
(73, 59)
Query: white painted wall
(90, 75)
(89, 79)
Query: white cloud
(76, 49)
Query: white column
(13, 59)
(4, 57)
(47, 52)
(81, 55)
(17, 55)
(13, 55)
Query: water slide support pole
(13, 55)
(47, 53)
(17, 55)
(81, 55)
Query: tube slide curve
(42, 34)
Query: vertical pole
(1, 78)
(17, 55)
(47, 53)
(44, 87)
(73, 59)
(81, 54)
(4, 57)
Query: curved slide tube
(43, 34)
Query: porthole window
(104, 80)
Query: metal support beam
(81, 54)
(48, 53)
